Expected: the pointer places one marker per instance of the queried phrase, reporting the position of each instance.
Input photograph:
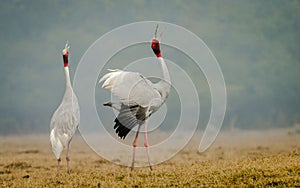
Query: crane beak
(155, 33)
(67, 46)
(66, 49)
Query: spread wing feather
(132, 88)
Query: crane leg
(68, 156)
(146, 144)
(134, 146)
(58, 165)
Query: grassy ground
(237, 158)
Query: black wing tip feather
(130, 116)
(108, 104)
(121, 130)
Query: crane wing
(128, 118)
(132, 88)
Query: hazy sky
(255, 42)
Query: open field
(237, 158)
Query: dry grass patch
(240, 161)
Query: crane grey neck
(68, 80)
(164, 85)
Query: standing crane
(65, 119)
(139, 98)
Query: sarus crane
(66, 118)
(139, 98)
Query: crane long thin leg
(68, 157)
(58, 165)
(134, 146)
(146, 144)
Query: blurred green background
(256, 43)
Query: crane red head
(155, 44)
(155, 47)
(65, 53)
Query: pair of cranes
(139, 98)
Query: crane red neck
(66, 59)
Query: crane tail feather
(57, 146)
